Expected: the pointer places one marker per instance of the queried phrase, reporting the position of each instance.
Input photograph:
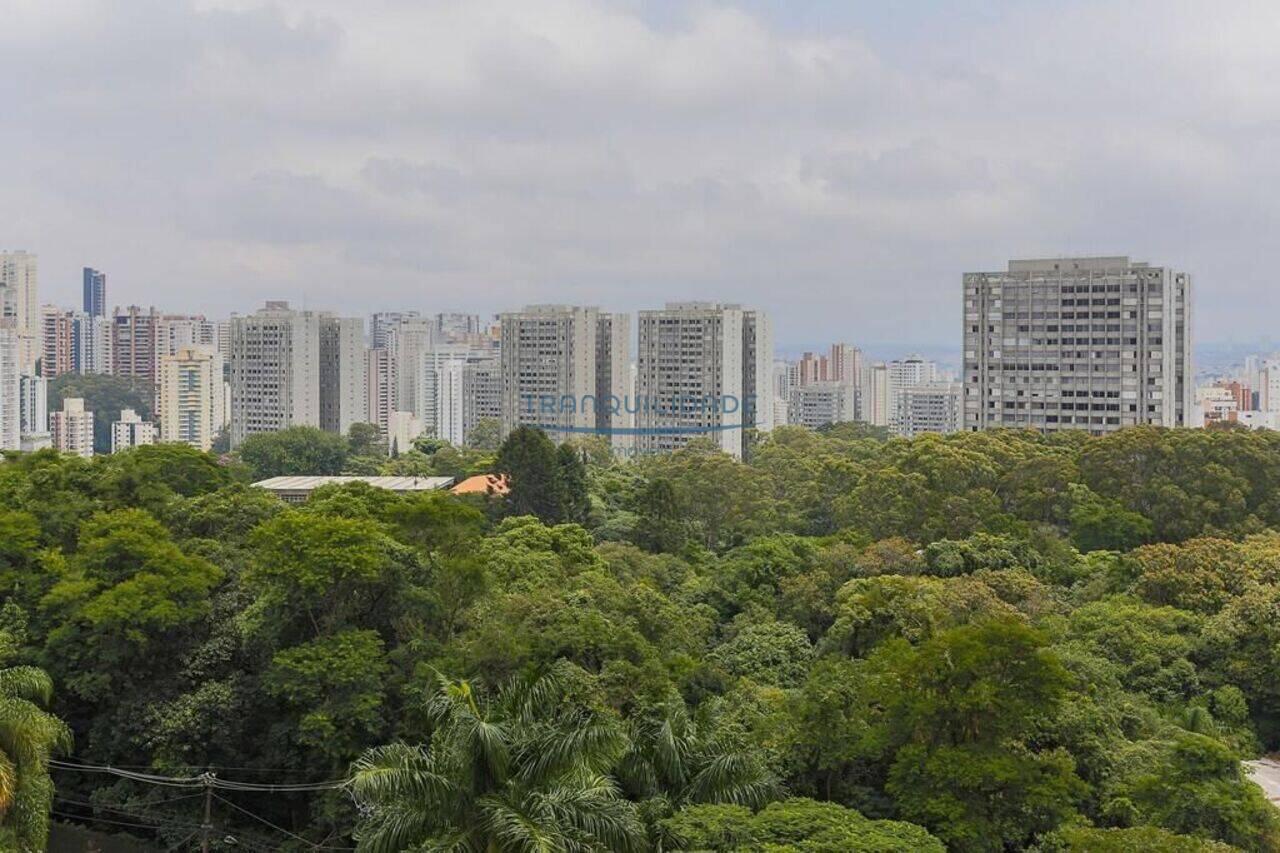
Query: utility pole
(206, 829)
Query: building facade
(559, 366)
(930, 407)
(1095, 344)
(20, 302)
(131, 431)
(10, 388)
(135, 342)
(94, 292)
(192, 406)
(704, 370)
(344, 374)
(72, 428)
(275, 371)
(820, 404)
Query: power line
(194, 782)
(314, 845)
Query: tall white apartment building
(381, 383)
(192, 407)
(20, 302)
(873, 394)
(433, 405)
(562, 367)
(930, 407)
(1077, 343)
(410, 338)
(10, 387)
(33, 406)
(275, 371)
(451, 405)
(72, 428)
(704, 369)
(820, 404)
(344, 373)
(131, 431)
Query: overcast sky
(838, 164)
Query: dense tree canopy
(980, 642)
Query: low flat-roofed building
(297, 489)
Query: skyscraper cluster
(1068, 343)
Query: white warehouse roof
(299, 487)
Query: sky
(839, 164)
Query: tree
(366, 440)
(485, 434)
(535, 474)
(29, 736)
(573, 484)
(296, 450)
(796, 824)
(968, 702)
(521, 768)
(660, 528)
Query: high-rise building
(136, 343)
(451, 406)
(381, 383)
(131, 431)
(704, 369)
(10, 388)
(873, 394)
(559, 370)
(820, 404)
(275, 371)
(812, 368)
(481, 394)
(344, 374)
(179, 331)
(929, 407)
(903, 372)
(95, 292)
(92, 342)
(845, 364)
(33, 406)
(409, 339)
(1077, 343)
(192, 407)
(20, 302)
(74, 342)
(72, 428)
(382, 326)
(57, 341)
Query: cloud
(839, 165)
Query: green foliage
(296, 450)
(801, 825)
(29, 737)
(796, 652)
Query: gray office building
(1094, 344)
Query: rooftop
(394, 484)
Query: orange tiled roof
(484, 484)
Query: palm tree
(520, 768)
(28, 737)
(675, 758)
